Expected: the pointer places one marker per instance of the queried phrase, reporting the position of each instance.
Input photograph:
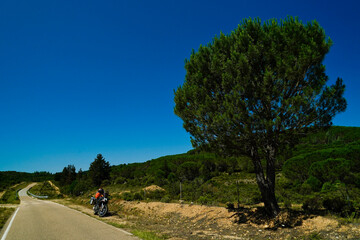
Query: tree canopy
(99, 170)
(255, 89)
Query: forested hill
(336, 142)
(9, 178)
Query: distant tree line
(75, 183)
(10, 178)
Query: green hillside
(321, 172)
(324, 166)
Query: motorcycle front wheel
(103, 210)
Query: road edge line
(92, 217)
(9, 226)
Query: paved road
(39, 219)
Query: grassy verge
(45, 189)
(5, 213)
(80, 202)
(145, 235)
(11, 195)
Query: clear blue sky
(79, 78)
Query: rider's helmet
(101, 191)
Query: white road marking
(9, 226)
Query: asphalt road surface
(39, 219)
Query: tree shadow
(287, 218)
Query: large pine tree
(256, 89)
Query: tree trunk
(267, 190)
(266, 184)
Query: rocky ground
(178, 221)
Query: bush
(127, 196)
(297, 168)
(166, 199)
(330, 169)
(204, 200)
(106, 182)
(314, 183)
(80, 187)
(328, 186)
(305, 189)
(138, 196)
(155, 195)
(312, 204)
(338, 205)
(120, 180)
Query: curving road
(39, 219)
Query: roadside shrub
(312, 204)
(138, 196)
(155, 195)
(80, 187)
(166, 199)
(127, 196)
(338, 205)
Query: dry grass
(5, 213)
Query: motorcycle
(101, 205)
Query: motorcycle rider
(99, 195)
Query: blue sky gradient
(78, 78)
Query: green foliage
(99, 170)
(298, 166)
(155, 195)
(188, 171)
(330, 169)
(67, 176)
(335, 204)
(231, 81)
(312, 204)
(127, 196)
(80, 186)
(204, 200)
(314, 183)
